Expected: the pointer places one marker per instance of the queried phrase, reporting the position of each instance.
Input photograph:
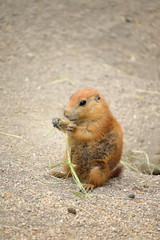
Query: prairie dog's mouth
(72, 119)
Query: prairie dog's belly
(86, 156)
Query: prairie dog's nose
(66, 113)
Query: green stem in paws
(49, 133)
(71, 165)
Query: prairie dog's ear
(97, 98)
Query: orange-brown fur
(94, 136)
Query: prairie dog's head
(86, 104)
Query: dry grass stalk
(11, 135)
(134, 163)
(64, 80)
(147, 91)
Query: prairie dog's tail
(117, 171)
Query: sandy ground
(113, 46)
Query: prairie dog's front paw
(71, 127)
(56, 122)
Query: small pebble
(72, 210)
(132, 195)
(128, 19)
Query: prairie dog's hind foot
(89, 187)
(59, 174)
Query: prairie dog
(95, 138)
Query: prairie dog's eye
(82, 103)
